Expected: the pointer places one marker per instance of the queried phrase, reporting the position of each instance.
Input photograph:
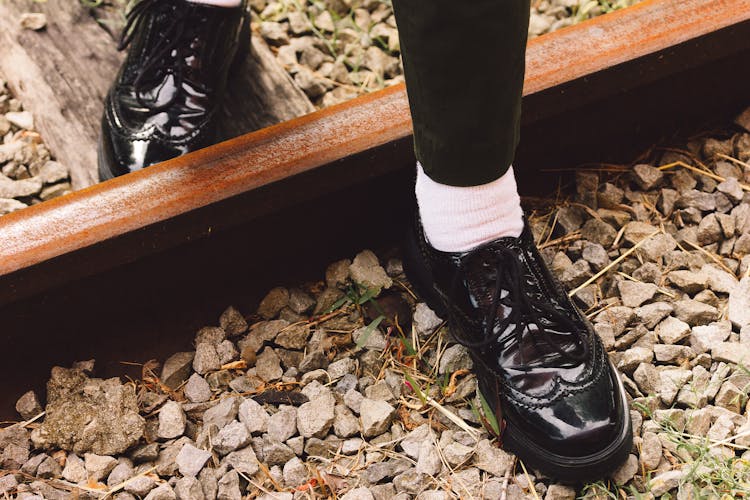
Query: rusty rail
(567, 70)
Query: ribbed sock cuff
(458, 219)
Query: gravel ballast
(28, 174)
(336, 50)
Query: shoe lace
(524, 311)
(170, 40)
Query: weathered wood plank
(62, 75)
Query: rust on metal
(130, 205)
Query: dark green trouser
(464, 63)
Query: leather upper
(532, 346)
(166, 96)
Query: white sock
(457, 219)
(219, 3)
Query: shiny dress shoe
(538, 361)
(166, 97)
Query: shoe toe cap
(580, 424)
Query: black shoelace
(524, 311)
(170, 40)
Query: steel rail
(570, 74)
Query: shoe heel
(420, 277)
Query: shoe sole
(567, 469)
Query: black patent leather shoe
(538, 361)
(166, 97)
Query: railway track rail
(121, 271)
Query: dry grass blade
(700, 171)
(526, 473)
(710, 256)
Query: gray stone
(360, 493)
(665, 481)
(276, 300)
(425, 320)
(672, 330)
(646, 176)
(634, 357)
(719, 280)
(375, 416)
(576, 275)
(28, 405)
(345, 423)
(634, 293)
(189, 488)
(637, 231)
(671, 381)
(709, 230)
(231, 437)
(253, 416)
(140, 485)
(7, 483)
(32, 464)
(316, 417)
(197, 389)
(206, 358)
(223, 413)
(651, 451)
(342, 367)
(367, 271)
(456, 453)
(89, 415)
(98, 467)
(492, 459)
(429, 462)
(695, 313)
(704, 202)
(739, 304)
(121, 473)
(268, 365)
(353, 399)
(293, 336)
(618, 316)
(275, 453)
(295, 473)
(74, 470)
(730, 397)
(705, 338)
(410, 481)
(161, 492)
(211, 335)
(282, 425)
(177, 369)
(8, 205)
(171, 421)
(232, 322)
(732, 352)
(244, 461)
(688, 281)
(596, 255)
(674, 354)
(455, 358)
(191, 460)
(560, 492)
(651, 314)
(227, 352)
(21, 188)
(647, 377)
(624, 473)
